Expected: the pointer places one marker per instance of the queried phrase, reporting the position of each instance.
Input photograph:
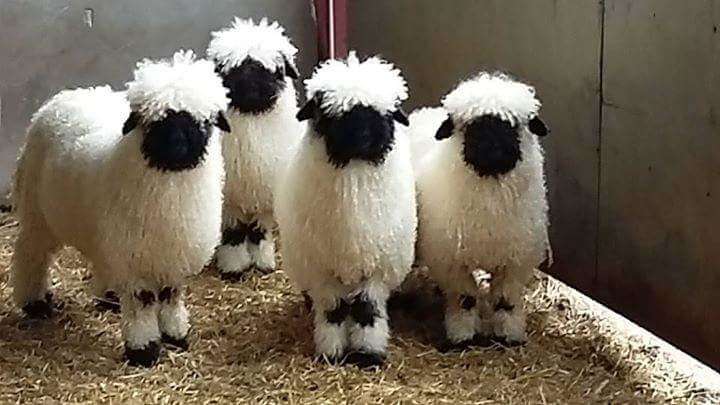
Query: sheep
(346, 208)
(133, 181)
(256, 62)
(482, 204)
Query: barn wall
(632, 164)
(47, 45)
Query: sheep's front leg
(331, 312)
(261, 245)
(233, 259)
(173, 317)
(506, 298)
(140, 327)
(369, 330)
(461, 319)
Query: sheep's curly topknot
(264, 42)
(182, 83)
(494, 94)
(344, 84)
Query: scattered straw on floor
(253, 342)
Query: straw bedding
(252, 342)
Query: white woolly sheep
(346, 206)
(482, 203)
(256, 62)
(134, 182)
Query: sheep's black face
(253, 88)
(361, 133)
(492, 146)
(175, 143)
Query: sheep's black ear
(399, 116)
(222, 122)
(290, 69)
(445, 130)
(308, 110)
(537, 127)
(132, 121)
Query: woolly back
(343, 85)
(264, 42)
(182, 83)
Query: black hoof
(181, 344)
(264, 270)
(365, 360)
(42, 309)
(146, 357)
(448, 346)
(109, 303)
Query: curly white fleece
(343, 85)
(182, 83)
(494, 94)
(264, 42)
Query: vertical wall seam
(601, 105)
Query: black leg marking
(147, 297)
(467, 302)
(338, 315)
(365, 360)
(166, 294)
(143, 357)
(182, 343)
(235, 235)
(109, 302)
(255, 233)
(504, 305)
(363, 312)
(308, 301)
(41, 309)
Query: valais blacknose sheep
(256, 62)
(346, 206)
(482, 203)
(134, 181)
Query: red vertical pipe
(331, 13)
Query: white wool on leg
(263, 254)
(330, 337)
(460, 323)
(507, 297)
(139, 321)
(233, 258)
(173, 318)
(373, 336)
(34, 249)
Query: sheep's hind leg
(140, 327)
(369, 329)
(34, 249)
(331, 312)
(173, 317)
(233, 259)
(261, 246)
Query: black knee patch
(338, 315)
(363, 312)
(467, 302)
(235, 235)
(504, 305)
(147, 297)
(255, 233)
(166, 294)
